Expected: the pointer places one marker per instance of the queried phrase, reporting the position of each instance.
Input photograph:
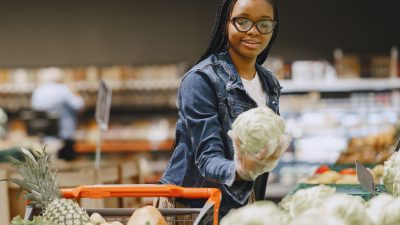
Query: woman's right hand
(249, 166)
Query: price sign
(103, 105)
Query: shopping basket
(208, 215)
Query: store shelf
(89, 86)
(340, 85)
(124, 146)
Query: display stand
(102, 116)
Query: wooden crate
(83, 172)
(4, 202)
(129, 174)
(13, 199)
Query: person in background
(227, 81)
(52, 95)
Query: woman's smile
(251, 44)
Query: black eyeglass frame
(233, 19)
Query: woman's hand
(249, 166)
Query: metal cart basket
(208, 215)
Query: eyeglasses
(243, 24)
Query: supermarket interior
(336, 61)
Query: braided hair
(219, 38)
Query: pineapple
(42, 190)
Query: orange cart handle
(136, 190)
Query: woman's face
(248, 45)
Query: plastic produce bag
(249, 165)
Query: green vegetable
(390, 213)
(258, 128)
(350, 209)
(391, 174)
(258, 213)
(376, 205)
(305, 199)
(318, 216)
(37, 220)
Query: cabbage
(258, 213)
(390, 213)
(318, 216)
(329, 208)
(257, 128)
(307, 198)
(391, 174)
(376, 204)
(349, 208)
(285, 204)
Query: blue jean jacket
(210, 97)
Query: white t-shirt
(255, 90)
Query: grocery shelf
(90, 86)
(328, 85)
(340, 85)
(125, 146)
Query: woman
(227, 81)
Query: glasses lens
(242, 24)
(265, 26)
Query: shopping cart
(208, 215)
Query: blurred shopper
(52, 95)
(227, 81)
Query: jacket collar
(234, 80)
(270, 83)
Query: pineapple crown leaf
(27, 196)
(28, 154)
(39, 181)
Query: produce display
(42, 190)
(259, 213)
(319, 205)
(370, 149)
(324, 204)
(325, 175)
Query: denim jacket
(210, 97)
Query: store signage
(103, 105)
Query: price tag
(365, 178)
(103, 105)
